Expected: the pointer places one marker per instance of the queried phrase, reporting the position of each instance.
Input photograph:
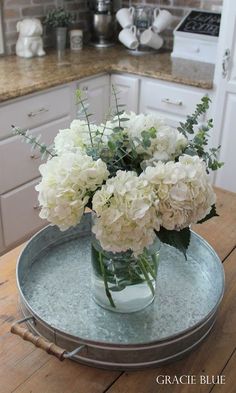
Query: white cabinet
(171, 101)
(225, 176)
(34, 110)
(225, 102)
(19, 159)
(20, 214)
(97, 92)
(127, 88)
(44, 113)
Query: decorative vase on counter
(122, 282)
(60, 37)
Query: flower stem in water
(105, 280)
(148, 267)
(145, 273)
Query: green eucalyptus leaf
(111, 145)
(124, 119)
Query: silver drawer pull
(171, 102)
(37, 113)
(85, 88)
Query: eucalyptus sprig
(44, 150)
(117, 152)
(199, 142)
(83, 110)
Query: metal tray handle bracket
(41, 342)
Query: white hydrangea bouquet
(143, 181)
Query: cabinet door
(168, 100)
(97, 92)
(127, 88)
(20, 214)
(225, 176)
(225, 100)
(20, 161)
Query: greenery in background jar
(58, 18)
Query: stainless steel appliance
(103, 23)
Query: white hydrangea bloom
(77, 137)
(66, 183)
(166, 145)
(125, 208)
(71, 139)
(183, 189)
(111, 124)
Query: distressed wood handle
(38, 341)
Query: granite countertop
(19, 76)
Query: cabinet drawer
(198, 50)
(20, 214)
(18, 159)
(35, 110)
(169, 98)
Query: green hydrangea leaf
(178, 239)
(212, 213)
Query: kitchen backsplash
(14, 10)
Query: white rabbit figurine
(29, 43)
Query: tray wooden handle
(38, 341)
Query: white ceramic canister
(76, 40)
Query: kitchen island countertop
(19, 76)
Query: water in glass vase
(122, 282)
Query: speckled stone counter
(20, 76)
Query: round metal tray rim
(94, 343)
(122, 366)
(145, 364)
(137, 346)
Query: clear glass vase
(121, 282)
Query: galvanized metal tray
(53, 277)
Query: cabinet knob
(85, 88)
(34, 156)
